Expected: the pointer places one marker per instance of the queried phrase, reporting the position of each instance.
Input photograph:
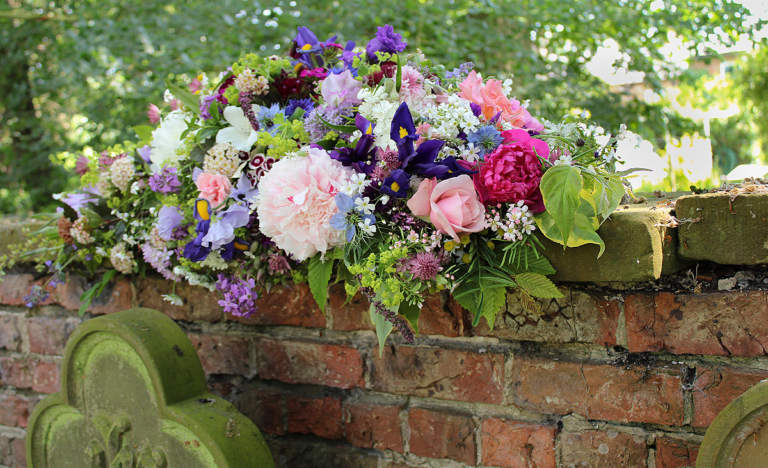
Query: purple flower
(244, 191)
(195, 250)
(165, 181)
(36, 296)
(424, 266)
(463, 69)
(222, 229)
(79, 200)
(145, 152)
(168, 220)
(309, 49)
(205, 107)
(160, 260)
(294, 104)
(386, 41)
(239, 295)
(396, 185)
(278, 264)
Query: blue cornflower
(344, 219)
(266, 117)
(486, 138)
(294, 104)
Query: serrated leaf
(383, 327)
(560, 189)
(537, 285)
(486, 302)
(318, 276)
(529, 303)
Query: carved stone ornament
(738, 437)
(133, 395)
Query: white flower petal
(236, 117)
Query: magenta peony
(297, 201)
(452, 205)
(513, 172)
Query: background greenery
(78, 74)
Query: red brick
(264, 408)
(512, 444)
(115, 297)
(373, 426)
(597, 391)
(13, 288)
(17, 372)
(715, 388)
(19, 453)
(439, 373)
(12, 452)
(284, 306)
(222, 354)
(603, 449)
(46, 377)
(675, 453)
(199, 304)
(441, 316)
(318, 416)
(596, 317)
(351, 316)
(722, 324)
(48, 335)
(441, 435)
(14, 410)
(11, 331)
(310, 363)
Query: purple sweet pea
(145, 152)
(244, 191)
(222, 229)
(386, 41)
(168, 220)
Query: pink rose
(513, 172)
(340, 90)
(213, 187)
(491, 99)
(452, 205)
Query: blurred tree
(750, 84)
(79, 73)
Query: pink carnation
(513, 172)
(213, 187)
(492, 100)
(298, 200)
(451, 204)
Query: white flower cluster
(247, 82)
(222, 158)
(517, 223)
(195, 279)
(214, 261)
(79, 231)
(121, 258)
(378, 107)
(451, 117)
(355, 185)
(121, 172)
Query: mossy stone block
(637, 248)
(134, 395)
(722, 229)
(738, 437)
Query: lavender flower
(165, 181)
(160, 259)
(294, 104)
(205, 107)
(168, 220)
(315, 126)
(386, 41)
(239, 295)
(146, 152)
(459, 73)
(36, 296)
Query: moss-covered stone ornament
(134, 395)
(738, 437)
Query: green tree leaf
(486, 302)
(318, 276)
(560, 188)
(537, 285)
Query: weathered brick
(439, 373)
(14, 410)
(224, 354)
(19, 453)
(715, 388)
(283, 306)
(512, 444)
(13, 288)
(263, 407)
(12, 452)
(318, 416)
(11, 331)
(311, 363)
(596, 317)
(554, 324)
(198, 303)
(675, 453)
(46, 377)
(115, 297)
(48, 335)
(722, 323)
(351, 316)
(597, 391)
(17, 372)
(440, 316)
(373, 426)
(593, 449)
(437, 434)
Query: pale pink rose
(153, 114)
(213, 187)
(340, 90)
(491, 99)
(452, 205)
(297, 201)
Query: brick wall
(603, 378)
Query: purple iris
(403, 131)
(196, 250)
(454, 168)
(422, 159)
(396, 185)
(309, 49)
(363, 156)
(386, 41)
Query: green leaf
(411, 313)
(485, 302)
(383, 327)
(327, 144)
(560, 188)
(537, 285)
(319, 275)
(95, 291)
(188, 99)
(297, 114)
(399, 76)
(339, 128)
(144, 132)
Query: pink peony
(340, 90)
(213, 187)
(297, 201)
(452, 205)
(513, 172)
(153, 114)
(492, 100)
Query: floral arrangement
(368, 166)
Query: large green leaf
(188, 99)
(319, 275)
(486, 302)
(537, 285)
(383, 327)
(560, 188)
(411, 313)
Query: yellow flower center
(395, 187)
(369, 130)
(306, 47)
(449, 246)
(403, 132)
